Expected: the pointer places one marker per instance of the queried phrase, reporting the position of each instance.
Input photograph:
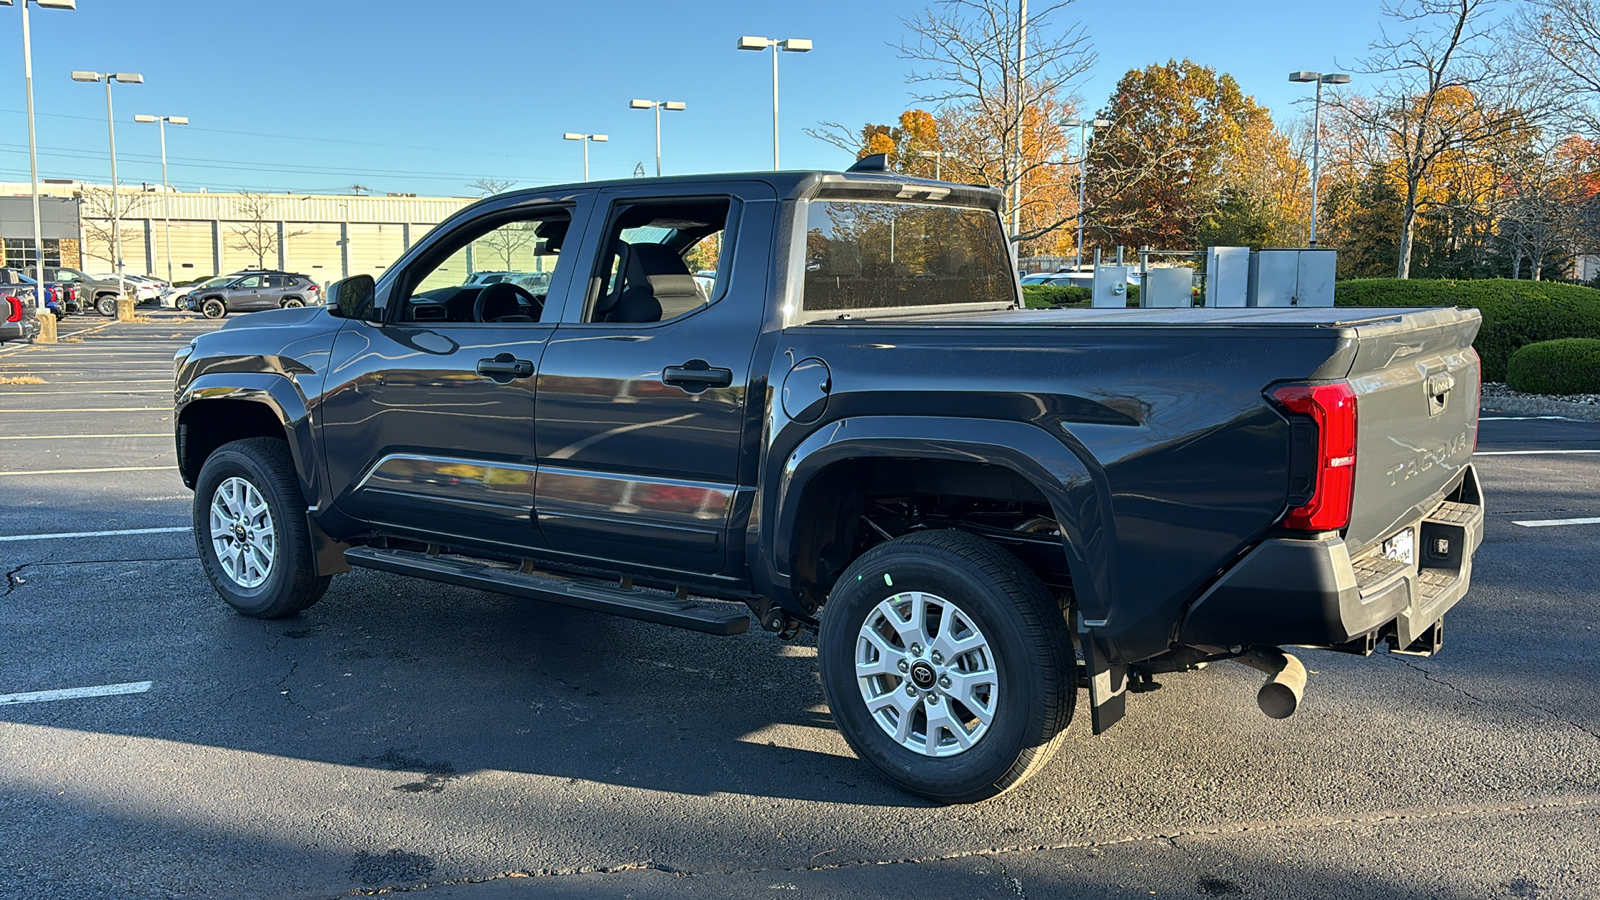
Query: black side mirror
(353, 297)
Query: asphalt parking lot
(408, 736)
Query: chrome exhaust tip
(1286, 680)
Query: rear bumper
(1310, 592)
(27, 328)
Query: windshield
(884, 256)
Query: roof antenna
(877, 162)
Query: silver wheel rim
(212, 310)
(927, 674)
(242, 532)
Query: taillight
(1331, 409)
(15, 315)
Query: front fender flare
(276, 391)
(1065, 474)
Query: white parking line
(103, 690)
(1546, 523)
(75, 393)
(93, 409)
(1527, 452)
(79, 471)
(63, 437)
(83, 534)
(1523, 418)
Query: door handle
(504, 367)
(696, 375)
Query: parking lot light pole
(938, 157)
(111, 126)
(658, 105)
(791, 45)
(1316, 132)
(166, 213)
(33, 145)
(586, 138)
(1083, 126)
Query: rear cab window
(866, 257)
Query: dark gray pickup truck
(857, 430)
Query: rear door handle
(696, 375)
(504, 367)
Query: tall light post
(1083, 126)
(659, 105)
(111, 127)
(1016, 149)
(166, 213)
(1316, 132)
(586, 138)
(33, 146)
(938, 157)
(790, 45)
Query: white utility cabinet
(1292, 277)
(1110, 287)
(1167, 287)
(1227, 276)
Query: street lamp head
(177, 120)
(48, 4)
(1336, 78)
(796, 45)
(127, 77)
(754, 43)
(571, 136)
(1303, 77)
(640, 104)
(145, 119)
(599, 137)
(675, 105)
(929, 154)
(86, 76)
(1070, 123)
(1100, 123)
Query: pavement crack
(14, 579)
(1429, 677)
(1565, 721)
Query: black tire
(293, 303)
(1032, 651)
(291, 583)
(106, 305)
(213, 308)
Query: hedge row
(1568, 366)
(1515, 313)
(1041, 296)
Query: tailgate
(1416, 380)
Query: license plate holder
(1402, 547)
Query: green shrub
(1567, 366)
(1045, 295)
(1515, 313)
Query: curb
(1540, 406)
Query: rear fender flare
(1075, 489)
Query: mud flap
(1108, 682)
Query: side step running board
(631, 603)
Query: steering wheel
(527, 304)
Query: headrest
(662, 269)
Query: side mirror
(353, 297)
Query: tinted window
(645, 274)
(892, 255)
(253, 281)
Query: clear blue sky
(403, 95)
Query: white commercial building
(326, 237)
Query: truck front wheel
(947, 665)
(250, 528)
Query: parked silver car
(248, 291)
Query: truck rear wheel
(947, 665)
(250, 528)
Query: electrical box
(1292, 277)
(1110, 287)
(1167, 287)
(1227, 276)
